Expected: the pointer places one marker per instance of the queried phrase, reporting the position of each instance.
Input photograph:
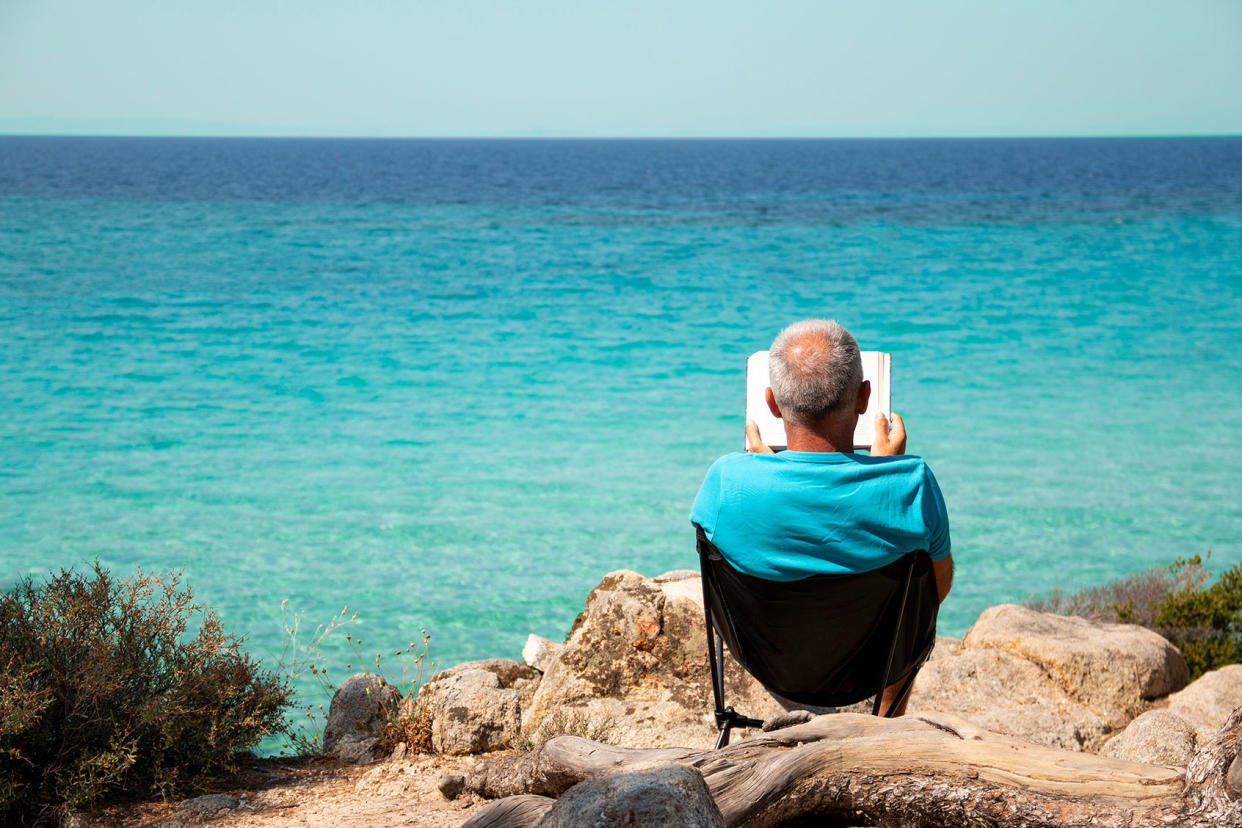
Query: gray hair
(814, 367)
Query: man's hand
(888, 442)
(754, 443)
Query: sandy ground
(279, 793)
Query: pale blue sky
(634, 68)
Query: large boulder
(634, 670)
(468, 711)
(662, 796)
(1002, 693)
(1157, 737)
(1207, 702)
(360, 709)
(1110, 668)
(1053, 680)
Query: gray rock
(451, 784)
(1157, 737)
(1110, 668)
(512, 674)
(360, 709)
(663, 796)
(508, 671)
(538, 652)
(470, 711)
(1208, 701)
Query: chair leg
(904, 693)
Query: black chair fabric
(823, 640)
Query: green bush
(1205, 624)
(119, 686)
(1204, 621)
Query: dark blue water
(916, 181)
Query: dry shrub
(560, 723)
(119, 686)
(1132, 600)
(412, 726)
(1204, 621)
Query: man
(819, 507)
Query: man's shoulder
(896, 464)
(741, 462)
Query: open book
(877, 369)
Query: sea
(449, 384)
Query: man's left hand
(754, 443)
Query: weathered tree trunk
(929, 770)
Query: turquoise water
(458, 413)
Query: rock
(398, 753)
(360, 709)
(508, 671)
(663, 796)
(538, 652)
(1207, 702)
(1053, 680)
(946, 647)
(1003, 693)
(512, 674)
(634, 670)
(1110, 668)
(210, 804)
(1157, 737)
(470, 711)
(450, 784)
(789, 719)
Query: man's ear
(772, 406)
(864, 397)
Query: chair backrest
(827, 639)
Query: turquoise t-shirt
(794, 514)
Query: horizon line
(348, 137)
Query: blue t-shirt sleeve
(707, 501)
(935, 517)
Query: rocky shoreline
(633, 673)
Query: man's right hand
(889, 442)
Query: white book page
(877, 369)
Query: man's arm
(892, 441)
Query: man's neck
(828, 437)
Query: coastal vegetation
(1203, 619)
(303, 656)
(120, 686)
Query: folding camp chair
(826, 640)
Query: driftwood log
(925, 770)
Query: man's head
(816, 373)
